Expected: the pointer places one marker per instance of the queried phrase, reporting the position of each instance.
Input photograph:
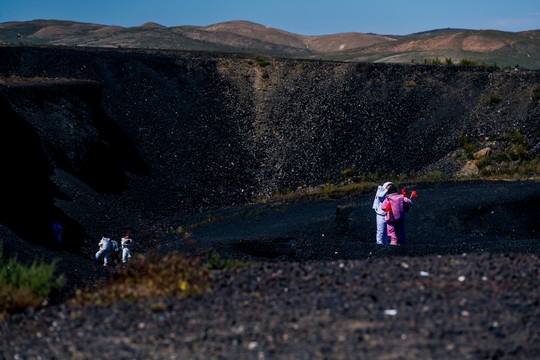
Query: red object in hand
(413, 194)
(388, 207)
(403, 192)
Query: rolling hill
(445, 45)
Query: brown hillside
(152, 25)
(256, 31)
(107, 30)
(64, 29)
(477, 41)
(323, 43)
(346, 41)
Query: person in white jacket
(104, 249)
(382, 190)
(126, 243)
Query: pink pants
(396, 232)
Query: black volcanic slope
(108, 141)
(124, 139)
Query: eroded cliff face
(127, 138)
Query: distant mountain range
(444, 45)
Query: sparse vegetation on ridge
(509, 159)
(467, 62)
(501, 157)
(18, 80)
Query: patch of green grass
(326, 191)
(436, 175)
(262, 62)
(23, 286)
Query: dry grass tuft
(150, 276)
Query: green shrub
(484, 162)
(215, 262)
(536, 94)
(487, 67)
(459, 155)
(410, 84)
(491, 99)
(436, 61)
(467, 62)
(462, 140)
(503, 158)
(23, 286)
(263, 63)
(348, 173)
(531, 167)
(514, 156)
(151, 276)
(448, 61)
(519, 139)
(467, 147)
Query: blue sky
(313, 17)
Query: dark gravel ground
(465, 287)
(469, 306)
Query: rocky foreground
(471, 306)
(466, 286)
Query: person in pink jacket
(395, 206)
